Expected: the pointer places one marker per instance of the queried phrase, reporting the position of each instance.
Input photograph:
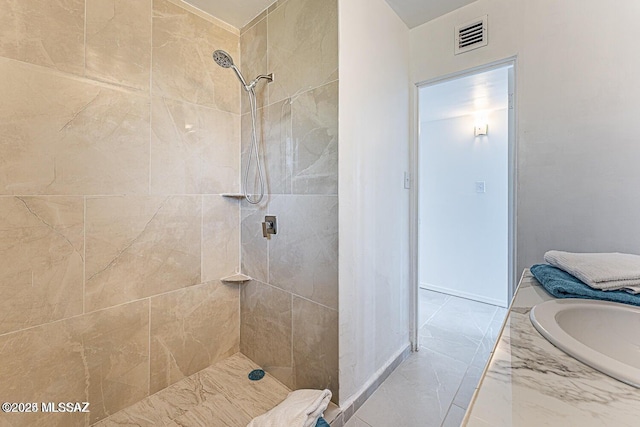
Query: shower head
(223, 59)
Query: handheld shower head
(223, 59)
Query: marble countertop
(529, 382)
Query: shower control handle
(269, 226)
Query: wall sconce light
(482, 119)
(481, 129)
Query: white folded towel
(301, 408)
(604, 271)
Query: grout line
(110, 307)
(296, 295)
(294, 96)
(151, 49)
(268, 250)
(159, 195)
(150, 96)
(194, 104)
(447, 414)
(84, 254)
(149, 354)
(239, 222)
(293, 367)
(77, 77)
(361, 420)
(202, 238)
(84, 42)
(268, 94)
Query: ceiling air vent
(471, 35)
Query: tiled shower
(118, 135)
(289, 312)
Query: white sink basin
(603, 335)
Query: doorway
(463, 219)
(465, 194)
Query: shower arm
(268, 77)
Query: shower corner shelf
(236, 278)
(233, 195)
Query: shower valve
(269, 226)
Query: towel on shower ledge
(301, 408)
(603, 271)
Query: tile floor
(218, 396)
(434, 386)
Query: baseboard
(355, 401)
(467, 295)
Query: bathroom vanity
(529, 382)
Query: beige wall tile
(191, 329)
(47, 33)
(273, 129)
(183, 67)
(254, 260)
(315, 141)
(139, 247)
(41, 260)
(265, 331)
(118, 46)
(300, 142)
(66, 136)
(101, 358)
(303, 46)
(253, 45)
(303, 256)
(220, 238)
(116, 347)
(194, 149)
(315, 353)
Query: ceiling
(235, 12)
(240, 12)
(417, 12)
(473, 94)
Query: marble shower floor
(218, 396)
(434, 386)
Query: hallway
(434, 386)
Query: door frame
(414, 151)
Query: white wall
(578, 104)
(464, 234)
(374, 206)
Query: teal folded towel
(561, 284)
(322, 423)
